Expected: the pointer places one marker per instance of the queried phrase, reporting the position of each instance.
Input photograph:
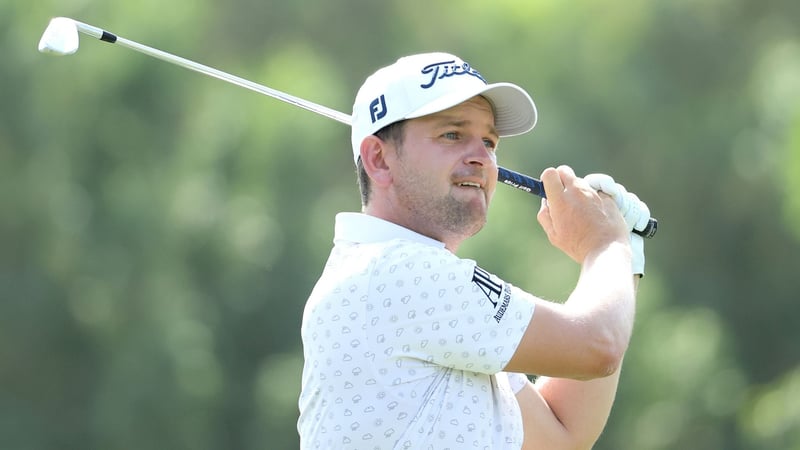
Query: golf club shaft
(506, 176)
(106, 36)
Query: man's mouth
(470, 184)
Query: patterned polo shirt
(404, 346)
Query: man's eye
(490, 144)
(451, 135)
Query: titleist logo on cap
(447, 69)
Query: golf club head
(60, 37)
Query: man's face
(445, 172)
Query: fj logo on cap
(377, 109)
(446, 69)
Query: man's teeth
(470, 184)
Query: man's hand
(577, 219)
(635, 212)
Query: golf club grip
(536, 187)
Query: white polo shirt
(404, 344)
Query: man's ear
(373, 158)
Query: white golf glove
(635, 212)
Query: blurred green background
(160, 230)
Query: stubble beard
(440, 217)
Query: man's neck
(386, 214)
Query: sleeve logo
(494, 290)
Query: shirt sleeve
(517, 381)
(443, 310)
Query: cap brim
(514, 110)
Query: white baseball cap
(427, 83)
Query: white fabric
(635, 212)
(404, 349)
(517, 381)
(637, 254)
(418, 85)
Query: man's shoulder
(403, 250)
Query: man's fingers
(602, 182)
(544, 217)
(638, 214)
(605, 183)
(553, 185)
(635, 211)
(566, 170)
(623, 199)
(557, 180)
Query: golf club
(61, 38)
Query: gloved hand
(635, 212)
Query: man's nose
(480, 154)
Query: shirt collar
(359, 228)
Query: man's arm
(561, 413)
(585, 337)
(577, 348)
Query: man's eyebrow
(444, 120)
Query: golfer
(407, 345)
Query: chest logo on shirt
(493, 289)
